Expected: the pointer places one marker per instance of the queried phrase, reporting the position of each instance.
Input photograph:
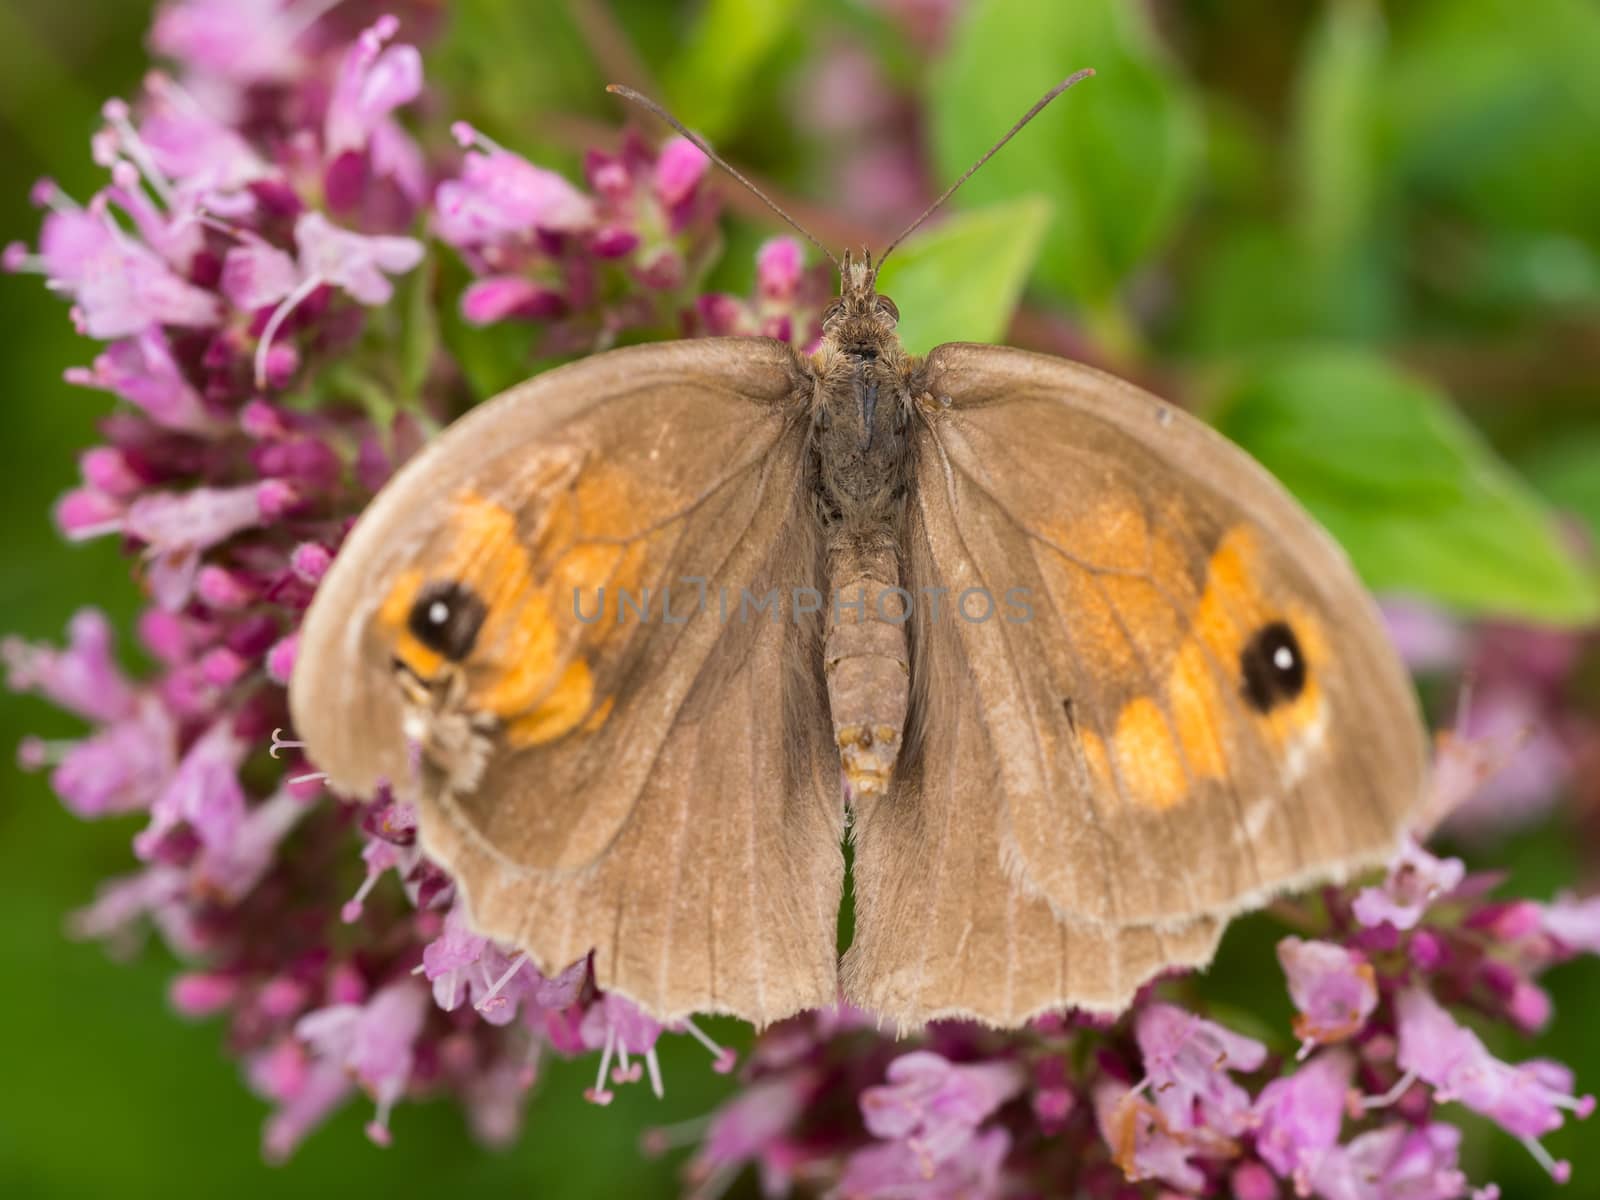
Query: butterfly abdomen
(867, 662)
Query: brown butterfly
(1094, 682)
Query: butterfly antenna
(643, 101)
(1033, 112)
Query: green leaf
(961, 281)
(1567, 473)
(1493, 107)
(1335, 145)
(1414, 494)
(1115, 157)
(419, 329)
(730, 42)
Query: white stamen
(58, 201)
(469, 138)
(494, 990)
(701, 1036)
(281, 743)
(1392, 1095)
(378, 1127)
(682, 1133)
(91, 531)
(24, 262)
(599, 1094)
(1544, 1158)
(314, 777)
(133, 145)
(652, 1064)
(625, 1072)
(275, 322)
(49, 752)
(351, 912)
(419, 968)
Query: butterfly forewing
(642, 776)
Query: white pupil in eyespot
(438, 612)
(1283, 658)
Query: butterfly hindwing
(942, 928)
(1200, 708)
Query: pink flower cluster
(261, 202)
(592, 265)
(261, 212)
(1169, 1102)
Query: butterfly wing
(1186, 698)
(641, 774)
(943, 929)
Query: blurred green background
(1364, 238)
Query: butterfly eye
(832, 312)
(1274, 667)
(446, 618)
(887, 308)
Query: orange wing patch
(528, 665)
(1148, 761)
(1160, 751)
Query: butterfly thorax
(860, 404)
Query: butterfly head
(860, 321)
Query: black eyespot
(446, 617)
(1273, 666)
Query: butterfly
(649, 637)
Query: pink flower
(329, 256)
(1395, 1161)
(372, 83)
(463, 966)
(1145, 1146)
(893, 1171)
(936, 1106)
(204, 795)
(1574, 923)
(679, 170)
(83, 677)
(616, 1026)
(500, 297)
(1186, 1062)
(1334, 989)
(1427, 638)
(501, 196)
(123, 288)
(231, 866)
(243, 41)
(751, 1128)
(141, 371)
(373, 1042)
(1526, 1100)
(1298, 1116)
(122, 767)
(177, 527)
(208, 161)
(256, 273)
(1416, 879)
